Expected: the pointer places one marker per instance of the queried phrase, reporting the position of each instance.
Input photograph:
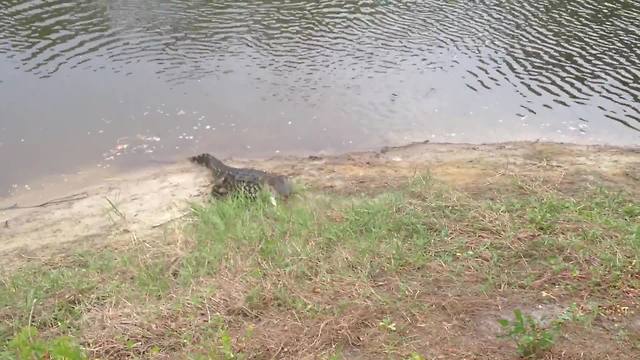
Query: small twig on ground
(10, 207)
(33, 305)
(61, 200)
(168, 221)
(115, 209)
(33, 257)
(275, 356)
(320, 333)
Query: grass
(331, 276)
(531, 339)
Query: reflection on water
(97, 82)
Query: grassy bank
(422, 271)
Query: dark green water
(118, 83)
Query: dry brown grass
(422, 272)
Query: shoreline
(40, 188)
(157, 194)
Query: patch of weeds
(532, 340)
(153, 278)
(28, 345)
(415, 356)
(255, 299)
(634, 237)
(252, 227)
(388, 325)
(544, 215)
(46, 297)
(609, 210)
(579, 314)
(370, 220)
(221, 349)
(631, 211)
(285, 299)
(387, 233)
(226, 346)
(216, 223)
(336, 355)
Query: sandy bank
(137, 205)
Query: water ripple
(563, 53)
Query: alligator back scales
(229, 178)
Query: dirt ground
(90, 209)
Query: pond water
(105, 83)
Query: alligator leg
(220, 186)
(225, 185)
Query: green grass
(259, 259)
(532, 339)
(28, 345)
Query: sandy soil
(97, 208)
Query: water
(117, 83)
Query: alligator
(229, 179)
